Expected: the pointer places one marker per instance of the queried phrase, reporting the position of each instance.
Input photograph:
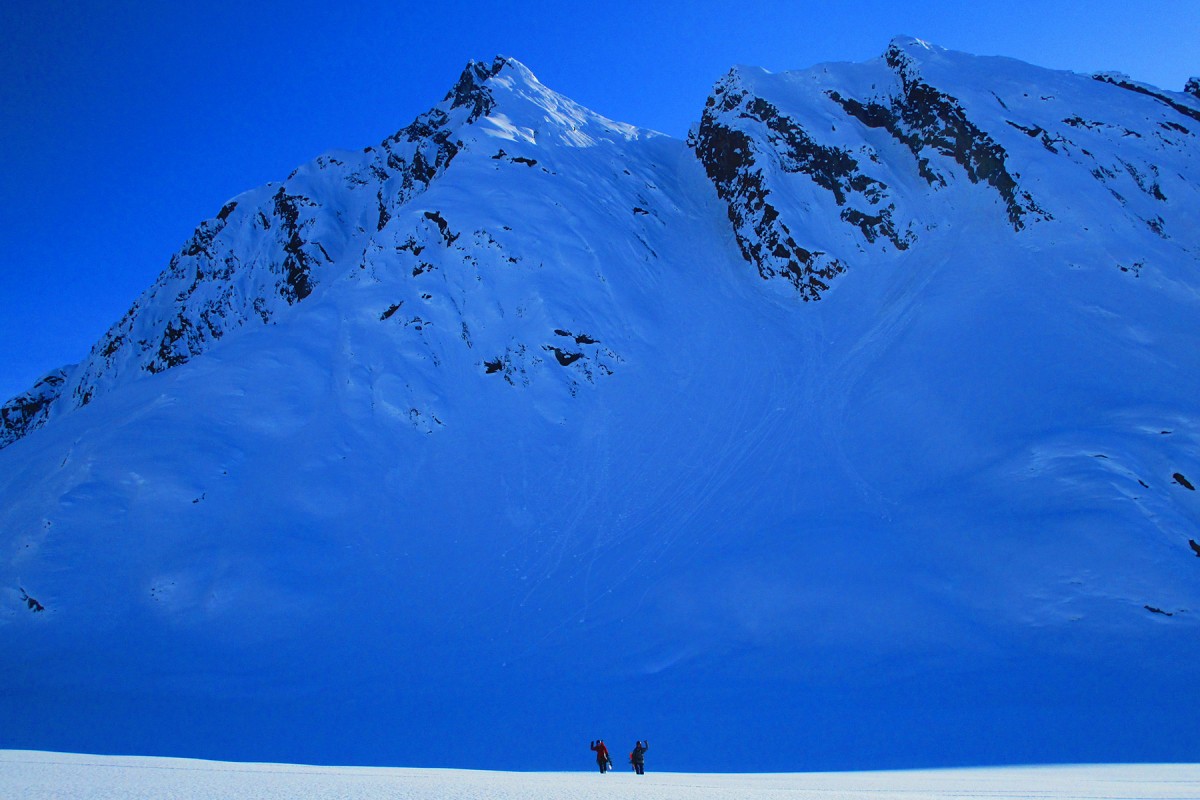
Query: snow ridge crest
(820, 171)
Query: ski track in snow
(41, 776)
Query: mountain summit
(858, 430)
(271, 248)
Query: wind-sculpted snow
(492, 439)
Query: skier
(602, 759)
(638, 757)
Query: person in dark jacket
(638, 757)
(602, 759)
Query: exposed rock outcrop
(30, 410)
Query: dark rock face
(745, 142)
(925, 117)
(208, 305)
(834, 170)
(297, 264)
(471, 90)
(409, 160)
(1124, 83)
(206, 281)
(732, 163)
(29, 411)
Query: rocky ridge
(766, 157)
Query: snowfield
(38, 775)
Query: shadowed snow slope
(516, 430)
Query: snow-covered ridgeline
(836, 165)
(272, 247)
(820, 169)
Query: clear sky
(125, 123)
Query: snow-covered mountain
(516, 430)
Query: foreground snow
(35, 775)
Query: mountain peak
(505, 82)
(912, 44)
(473, 84)
(909, 49)
(471, 89)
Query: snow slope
(516, 427)
(64, 776)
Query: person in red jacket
(602, 759)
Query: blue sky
(126, 123)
